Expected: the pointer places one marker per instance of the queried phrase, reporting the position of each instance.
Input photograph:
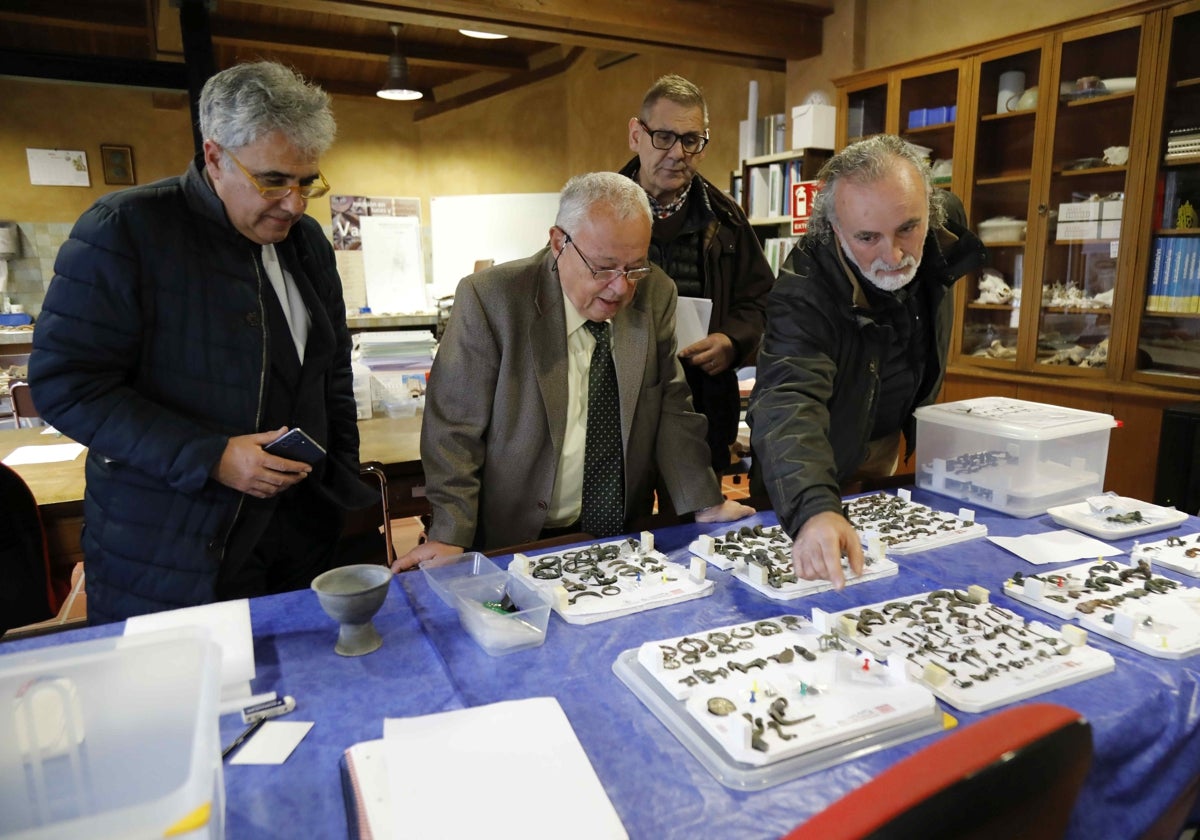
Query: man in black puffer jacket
(858, 327)
(189, 322)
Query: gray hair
(866, 162)
(622, 195)
(674, 89)
(240, 105)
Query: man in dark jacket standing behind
(189, 323)
(702, 239)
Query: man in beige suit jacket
(501, 441)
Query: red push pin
(866, 664)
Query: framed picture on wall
(118, 164)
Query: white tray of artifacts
(905, 526)
(971, 653)
(1126, 603)
(1181, 554)
(590, 583)
(764, 702)
(1113, 517)
(761, 557)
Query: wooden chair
(22, 403)
(360, 540)
(1016, 773)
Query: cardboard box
(1079, 211)
(113, 738)
(1111, 209)
(813, 126)
(1014, 456)
(1072, 231)
(1110, 229)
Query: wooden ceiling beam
(425, 110)
(360, 48)
(764, 33)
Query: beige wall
(528, 140)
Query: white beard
(880, 273)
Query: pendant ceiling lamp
(397, 85)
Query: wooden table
(395, 442)
(58, 488)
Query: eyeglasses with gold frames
(274, 192)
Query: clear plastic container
(1013, 456)
(112, 738)
(499, 632)
(445, 573)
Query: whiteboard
(466, 228)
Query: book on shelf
(776, 250)
(1154, 294)
(775, 190)
(759, 192)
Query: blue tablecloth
(1145, 715)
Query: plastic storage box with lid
(112, 738)
(1014, 456)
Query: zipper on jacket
(872, 399)
(262, 386)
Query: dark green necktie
(603, 511)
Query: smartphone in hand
(295, 445)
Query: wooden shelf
(1078, 310)
(1009, 115)
(996, 307)
(1150, 313)
(1099, 99)
(1094, 170)
(1015, 178)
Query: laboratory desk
(1145, 725)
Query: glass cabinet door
(1004, 155)
(1082, 215)
(864, 107)
(1168, 343)
(927, 117)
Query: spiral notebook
(449, 760)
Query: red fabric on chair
(1015, 774)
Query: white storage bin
(1009, 455)
(112, 738)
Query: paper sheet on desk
(507, 769)
(51, 454)
(691, 320)
(1055, 547)
(228, 622)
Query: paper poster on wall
(348, 214)
(392, 266)
(58, 168)
(468, 228)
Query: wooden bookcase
(1091, 324)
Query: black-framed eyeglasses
(663, 140)
(274, 192)
(607, 275)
